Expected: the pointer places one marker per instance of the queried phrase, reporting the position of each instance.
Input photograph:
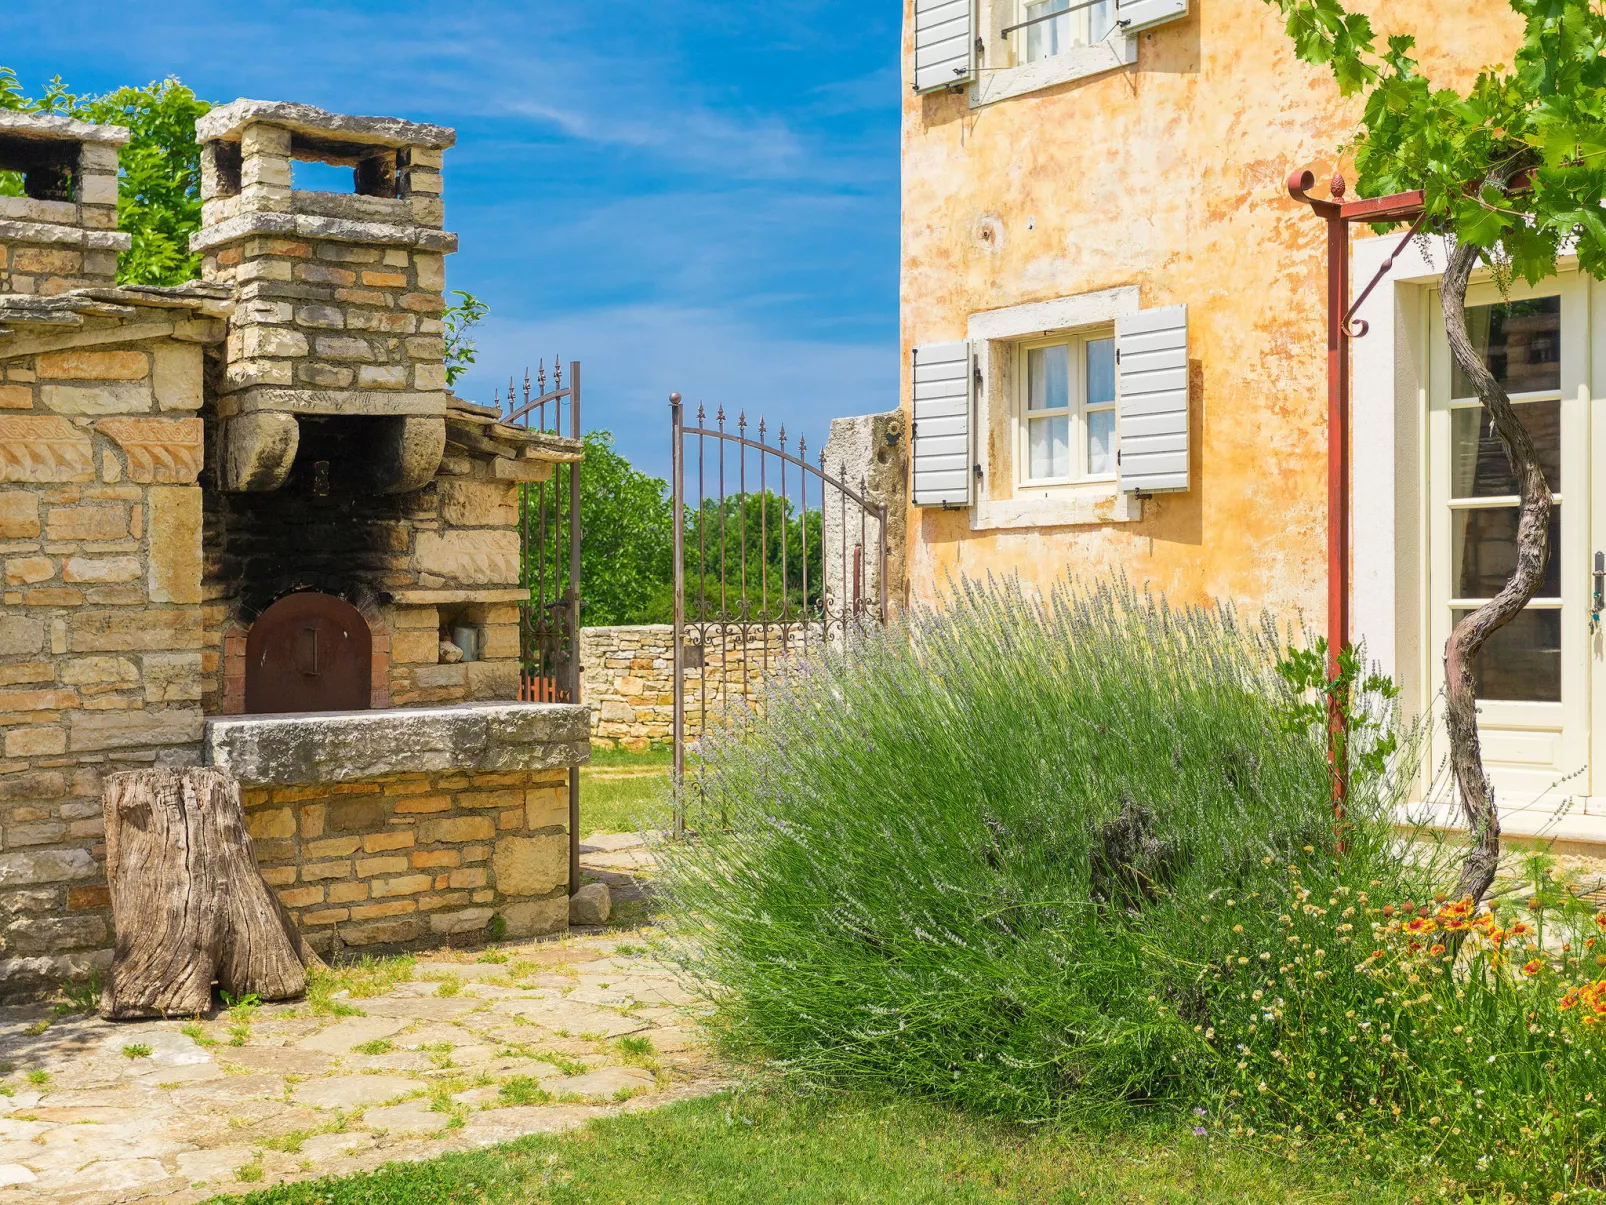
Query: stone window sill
(1077, 63)
(1076, 507)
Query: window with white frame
(1067, 409)
(1078, 24)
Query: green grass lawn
(623, 792)
(624, 758)
(752, 1148)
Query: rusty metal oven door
(308, 652)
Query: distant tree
(159, 186)
(754, 556)
(627, 547)
(626, 538)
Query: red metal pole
(1338, 215)
(1338, 494)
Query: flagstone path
(457, 1050)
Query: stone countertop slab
(332, 747)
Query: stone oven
(245, 522)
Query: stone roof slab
(227, 122)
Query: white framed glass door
(1534, 675)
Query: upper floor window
(1079, 24)
(1067, 409)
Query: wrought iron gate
(549, 535)
(790, 559)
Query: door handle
(309, 652)
(1598, 598)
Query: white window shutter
(945, 44)
(1133, 15)
(941, 439)
(1151, 349)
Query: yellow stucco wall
(1168, 176)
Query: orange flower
(1569, 1000)
(1420, 924)
(1533, 967)
(1437, 951)
(1600, 919)
(1518, 929)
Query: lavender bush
(960, 857)
(1074, 859)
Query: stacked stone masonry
(62, 233)
(100, 634)
(628, 677)
(174, 461)
(422, 858)
(336, 292)
(416, 564)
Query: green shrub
(1068, 859)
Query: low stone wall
(628, 677)
(404, 828)
(404, 859)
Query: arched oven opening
(308, 652)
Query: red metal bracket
(1339, 214)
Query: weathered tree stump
(189, 905)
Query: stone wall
(869, 453)
(628, 677)
(410, 826)
(100, 635)
(406, 859)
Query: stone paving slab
(525, 1040)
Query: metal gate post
(885, 561)
(678, 494)
(574, 620)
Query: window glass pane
(1101, 20)
(1050, 440)
(1100, 371)
(1520, 342)
(1483, 552)
(1048, 378)
(1047, 37)
(1522, 661)
(1478, 465)
(1101, 441)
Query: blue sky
(700, 195)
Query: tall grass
(1068, 859)
(946, 857)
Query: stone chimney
(62, 233)
(338, 295)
